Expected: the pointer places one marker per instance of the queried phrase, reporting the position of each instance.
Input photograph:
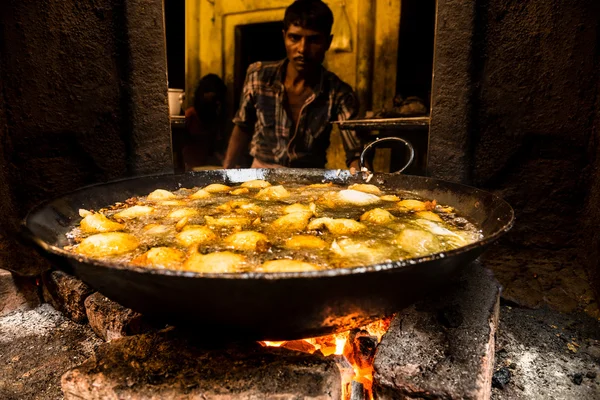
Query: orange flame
(339, 344)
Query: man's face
(305, 48)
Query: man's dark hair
(309, 14)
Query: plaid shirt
(275, 138)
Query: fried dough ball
(453, 237)
(390, 197)
(412, 205)
(363, 187)
(273, 193)
(377, 216)
(240, 191)
(417, 242)
(231, 221)
(337, 226)
(183, 212)
(217, 188)
(195, 234)
(160, 194)
(305, 242)
(287, 266)
(134, 212)
(219, 262)
(200, 194)
(157, 230)
(255, 184)
(97, 223)
(348, 197)
(295, 222)
(431, 216)
(362, 252)
(160, 257)
(172, 203)
(241, 207)
(107, 244)
(247, 241)
(297, 207)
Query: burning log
(360, 348)
(358, 391)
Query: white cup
(175, 100)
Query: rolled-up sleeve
(246, 114)
(347, 108)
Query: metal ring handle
(410, 147)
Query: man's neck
(295, 78)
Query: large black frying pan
(258, 305)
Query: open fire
(353, 351)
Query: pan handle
(411, 151)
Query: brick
(166, 365)
(442, 347)
(17, 292)
(110, 320)
(66, 293)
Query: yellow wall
(210, 26)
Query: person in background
(286, 107)
(204, 124)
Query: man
(287, 106)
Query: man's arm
(238, 144)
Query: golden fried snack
(417, 242)
(305, 242)
(240, 207)
(240, 191)
(273, 193)
(363, 187)
(172, 203)
(362, 252)
(287, 266)
(160, 257)
(349, 197)
(295, 222)
(107, 244)
(160, 194)
(134, 212)
(219, 262)
(255, 184)
(247, 241)
(377, 216)
(237, 221)
(157, 230)
(183, 212)
(431, 216)
(337, 226)
(217, 188)
(97, 223)
(200, 194)
(195, 234)
(412, 205)
(297, 207)
(390, 197)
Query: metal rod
(382, 123)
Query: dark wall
(516, 91)
(84, 99)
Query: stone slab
(168, 365)
(66, 293)
(17, 292)
(110, 320)
(442, 347)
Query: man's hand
(238, 143)
(354, 166)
